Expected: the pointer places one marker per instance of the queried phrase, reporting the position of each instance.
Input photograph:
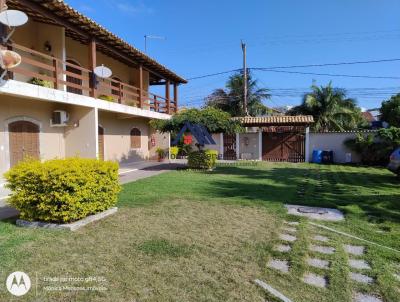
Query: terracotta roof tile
(276, 120)
(78, 19)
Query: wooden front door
(24, 141)
(286, 146)
(75, 81)
(229, 146)
(101, 143)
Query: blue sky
(203, 37)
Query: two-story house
(53, 106)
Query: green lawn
(192, 236)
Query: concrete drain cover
(360, 297)
(315, 212)
(309, 210)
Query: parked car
(394, 164)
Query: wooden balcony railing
(41, 69)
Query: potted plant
(161, 154)
(107, 98)
(40, 82)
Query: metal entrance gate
(229, 146)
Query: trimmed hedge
(62, 190)
(204, 159)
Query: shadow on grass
(375, 194)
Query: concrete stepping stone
(322, 249)
(290, 229)
(361, 278)
(292, 222)
(280, 265)
(315, 280)
(287, 237)
(355, 250)
(319, 263)
(282, 248)
(321, 238)
(359, 297)
(359, 264)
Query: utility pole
(244, 79)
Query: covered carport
(280, 138)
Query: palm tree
(231, 99)
(331, 109)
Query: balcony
(41, 69)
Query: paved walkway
(127, 173)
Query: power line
(333, 75)
(309, 65)
(212, 74)
(327, 64)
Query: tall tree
(331, 109)
(390, 111)
(231, 98)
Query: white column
(237, 146)
(96, 118)
(221, 145)
(64, 59)
(260, 144)
(307, 156)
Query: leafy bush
(160, 152)
(40, 82)
(390, 111)
(62, 190)
(215, 120)
(185, 149)
(203, 159)
(173, 151)
(375, 150)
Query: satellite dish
(13, 18)
(103, 72)
(9, 59)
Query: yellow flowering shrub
(62, 190)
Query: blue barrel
(317, 156)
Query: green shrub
(160, 152)
(375, 149)
(62, 190)
(203, 159)
(173, 151)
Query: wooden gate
(24, 141)
(229, 146)
(283, 146)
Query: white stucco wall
(117, 139)
(249, 150)
(334, 142)
(81, 140)
(51, 140)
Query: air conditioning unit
(59, 118)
